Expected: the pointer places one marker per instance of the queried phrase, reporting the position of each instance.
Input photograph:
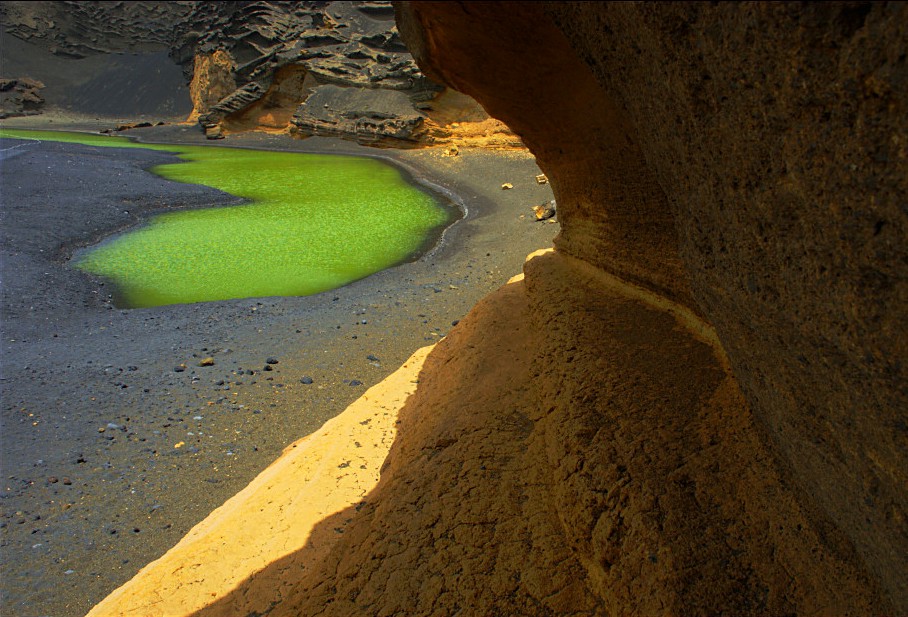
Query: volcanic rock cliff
(311, 68)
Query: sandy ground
(94, 485)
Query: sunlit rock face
(750, 162)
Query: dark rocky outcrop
(373, 116)
(20, 97)
(81, 29)
(333, 66)
(248, 66)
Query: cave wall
(749, 161)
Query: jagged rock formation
(20, 97)
(97, 58)
(374, 116)
(248, 66)
(281, 54)
(317, 68)
(82, 29)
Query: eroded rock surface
(749, 162)
(20, 97)
(247, 65)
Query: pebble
(209, 361)
(372, 358)
(271, 361)
(355, 382)
(306, 380)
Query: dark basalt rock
(351, 45)
(20, 97)
(368, 115)
(237, 101)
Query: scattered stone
(506, 186)
(214, 132)
(545, 211)
(372, 358)
(133, 125)
(209, 361)
(271, 361)
(267, 367)
(542, 179)
(179, 369)
(451, 151)
(306, 380)
(355, 382)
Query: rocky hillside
(310, 68)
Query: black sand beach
(109, 454)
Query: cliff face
(335, 69)
(748, 161)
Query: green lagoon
(313, 223)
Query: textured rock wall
(575, 446)
(248, 65)
(748, 160)
(81, 29)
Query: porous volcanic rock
(748, 161)
(277, 53)
(244, 66)
(20, 97)
(370, 115)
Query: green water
(315, 223)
